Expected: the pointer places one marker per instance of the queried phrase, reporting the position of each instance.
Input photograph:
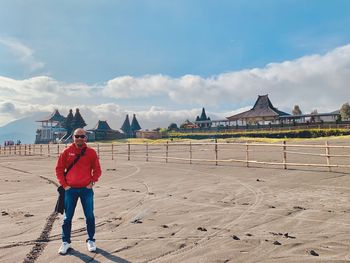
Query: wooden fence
(282, 154)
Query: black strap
(75, 161)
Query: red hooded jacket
(86, 170)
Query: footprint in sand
(236, 237)
(313, 253)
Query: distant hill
(23, 129)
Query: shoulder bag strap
(75, 161)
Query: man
(78, 183)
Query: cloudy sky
(166, 59)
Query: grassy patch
(306, 133)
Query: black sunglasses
(79, 136)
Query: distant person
(78, 183)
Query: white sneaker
(91, 246)
(64, 248)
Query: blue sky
(167, 59)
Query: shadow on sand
(91, 256)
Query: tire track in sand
(181, 252)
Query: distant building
(154, 135)
(188, 125)
(72, 123)
(58, 129)
(203, 121)
(135, 126)
(263, 112)
(51, 129)
(126, 128)
(130, 130)
(102, 131)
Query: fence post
(284, 155)
(166, 151)
(128, 151)
(327, 156)
(112, 150)
(58, 149)
(146, 151)
(216, 151)
(48, 150)
(116, 152)
(247, 154)
(15, 150)
(190, 152)
(98, 150)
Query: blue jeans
(86, 196)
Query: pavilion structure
(312, 118)
(102, 131)
(263, 112)
(51, 128)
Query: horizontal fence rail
(271, 154)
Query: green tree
(314, 118)
(173, 127)
(296, 110)
(345, 111)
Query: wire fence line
(284, 155)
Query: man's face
(79, 137)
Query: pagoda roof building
(262, 110)
(202, 121)
(54, 117)
(102, 126)
(102, 131)
(51, 128)
(135, 126)
(126, 128)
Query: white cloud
(145, 86)
(23, 53)
(313, 82)
(7, 107)
(316, 81)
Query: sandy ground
(177, 212)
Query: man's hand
(89, 186)
(67, 188)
